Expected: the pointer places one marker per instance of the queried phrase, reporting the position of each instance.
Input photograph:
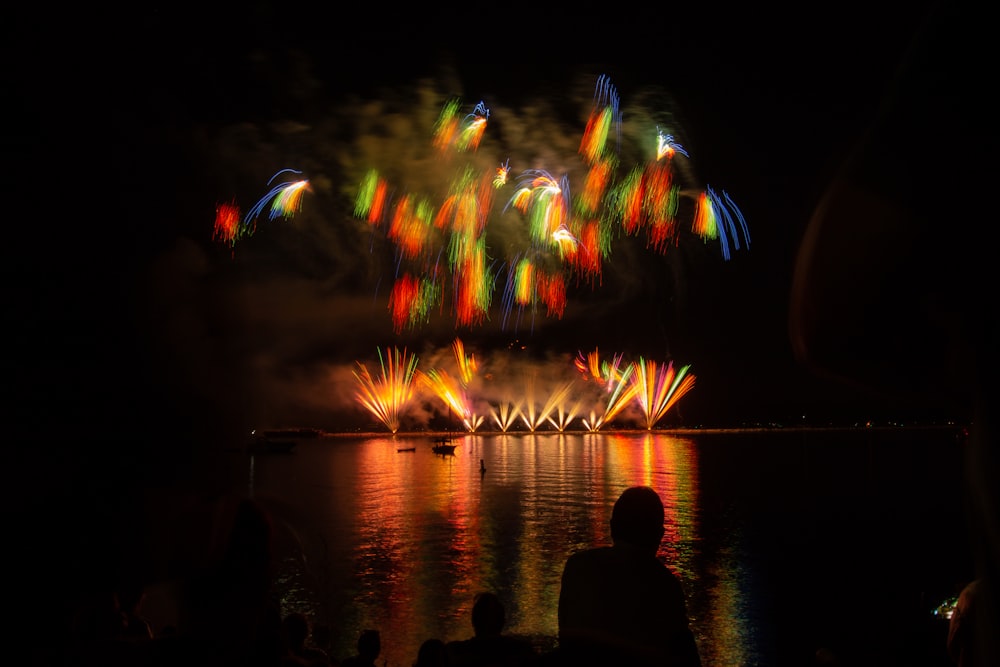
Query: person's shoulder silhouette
(489, 646)
(432, 653)
(619, 605)
(369, 647)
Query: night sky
(135, 126)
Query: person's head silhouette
(370, 645)
(637, 518)
(488, 615)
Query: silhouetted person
(879, 284)
(489, 647)
(432, 653)
(619, 605)
(369, 648)
(131, 595)
(296, 629)
(229, 609)
(963, 635)
(322, 638)
(97, 625)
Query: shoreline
(634, 431)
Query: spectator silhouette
(962, 628)
(228, 609)
(432, 653)
(619, 605)
(489, 647)
(131, 595)
(864, 305)
(96, 626)
(369, 647)
(296, 629)
(322, 638)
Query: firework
(505, 414)
(658, 388)
(603, 118)
(467, 366)
(285, 198)
(388, 395)
(503, 171)
(227, 223)
(620, 395)
(563, 416)
(451, 392)
(561, 237)
(412, 300)
(535, 414)
(716, 218)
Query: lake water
(785, 540)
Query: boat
(263, 443)
(406, 449)
(271, 446)
(443, 445)
(292, 433)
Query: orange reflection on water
(431, 531)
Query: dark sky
(134, 126)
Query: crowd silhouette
(229, 615)
(619, 605)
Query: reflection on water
(402, 541)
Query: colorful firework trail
(388, 395)
(658, 388)
(227, 223)
(284, 200)
(505, 414)
(642, 387)
(569, 237)
(449, 389)
(447, 263)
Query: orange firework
(388, 395)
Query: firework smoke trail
(534, 419)
(658, 388)
(566, 237)
(369, 204)
(544, 200)
(621, 394)
(387, 396)
(505, 414)
(604, 116)
(227, 224)
(666, 147)
(562, 238)
(502, 173)
(592, 367)
(563, 416)
(285, 198)
(653, 387)
(594, 423)
(461, 135)
(714, 219)
(467, 366)
(412, 300)
(473, 128)
(450, 390)
(589, 365)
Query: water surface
(785, 541)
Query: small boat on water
(298, 433)
(406, 449)
(443, 445)
(265, 442)
(271, 446)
